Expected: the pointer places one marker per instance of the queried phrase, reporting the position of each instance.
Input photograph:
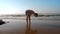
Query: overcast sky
(20, 6)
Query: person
(28, 15)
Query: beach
(39, 25)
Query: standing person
(28, 15)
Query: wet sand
(41, 31)
(16, 26)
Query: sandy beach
(46, 25)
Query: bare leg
(27, 19)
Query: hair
(36, 14)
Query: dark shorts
(28, 14)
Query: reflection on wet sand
(29, 30)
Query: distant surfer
(28, 15)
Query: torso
(29, 12)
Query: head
(36, 14)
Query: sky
(20, 6)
